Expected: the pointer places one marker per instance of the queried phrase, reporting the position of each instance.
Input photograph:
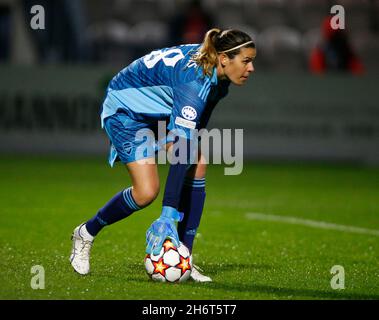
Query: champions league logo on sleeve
(189, 113)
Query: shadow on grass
(290, 293)
(287, 293)
(225, 267)
(121, 274)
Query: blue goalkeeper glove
(162, 228)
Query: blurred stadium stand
(66, 67)
(117, 31)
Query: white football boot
(197, 276)
(81, 247)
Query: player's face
(238, 69)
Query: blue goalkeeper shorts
(130, 140)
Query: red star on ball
(167, 245)
(160, 267)
(184, 264)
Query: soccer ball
(172, 264)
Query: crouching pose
(180, 85)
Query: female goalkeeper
(180, 85)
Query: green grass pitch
(43, 199)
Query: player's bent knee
(146, 195)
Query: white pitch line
(310, 223)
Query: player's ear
(223, 59)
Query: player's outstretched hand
(161, 229)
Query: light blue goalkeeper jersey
(165, 84)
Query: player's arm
(222, 91)
(185, 119)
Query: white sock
(85, 234)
